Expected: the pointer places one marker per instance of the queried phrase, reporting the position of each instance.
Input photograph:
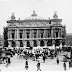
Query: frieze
(28, 24)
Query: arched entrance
(49, 43)
(35, 43)
(63, 42)
(57, 42)
(28, 44)
(21, 44)
(13, 44)
(41, 43)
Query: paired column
(37, 33)
(30, 34)
(8, 34)
(52, 33)
(44, 33)
(15, 34)
(23, 34)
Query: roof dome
(34, 16)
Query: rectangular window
(13, 35)
(56, 34)
(27, 35)
(34, 35)
(20, 35)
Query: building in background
(35, 31)
(69, 39)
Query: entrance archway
(35, 43)
(21, 44)
(13, 44)
(57, 42)
(49, 43)
(28, 44)
(41, 43)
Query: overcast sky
(44, 8)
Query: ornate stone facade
(36, 31)
(1, 41)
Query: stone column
(30, 33)
(9, 44)
(53, 42)
(8, 34)
(17, 43)
(44, 33)
(38, 33)
(24, 43)
(52, 33)
(59, 33)
(45, 42)
(15, 34)
(25, 34)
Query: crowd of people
(5, 55)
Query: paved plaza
(18, 64)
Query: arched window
(49, 43)
(41, 43)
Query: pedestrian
(36, 57)
(57, 60)
(44, 58)
(8, 61)
(38, 66)
(26, 64)
(64, 65)
(69, 64)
